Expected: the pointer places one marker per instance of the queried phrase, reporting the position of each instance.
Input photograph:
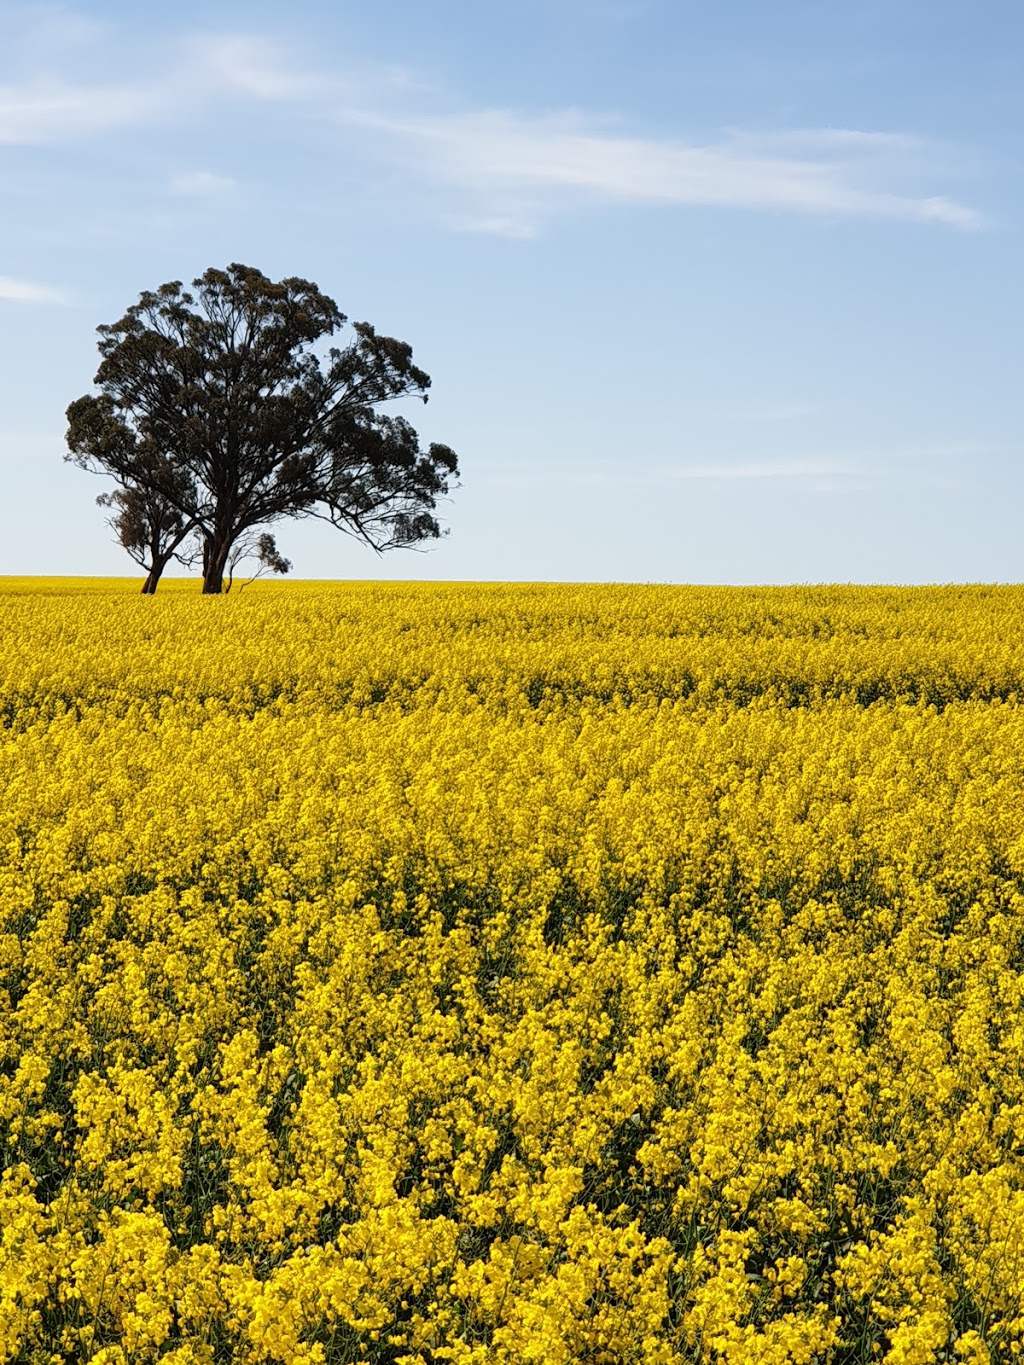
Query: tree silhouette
(263, 549)
(148, 525)
(216, 415)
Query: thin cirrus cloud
(770, 469)
(926, 463)
(518, 168)
(70, 101)
(819, 472)
(51, 110)
(60, 106)
(24, 291)
(499, 171)
(248, 67)
(792, 410)
(202, 185)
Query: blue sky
(709, 292)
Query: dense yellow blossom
(499, 974)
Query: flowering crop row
(510, 974)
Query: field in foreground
(503, 974)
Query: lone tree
(216, 415)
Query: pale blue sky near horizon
(709, 292)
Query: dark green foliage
(216, 416)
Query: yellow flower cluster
(491, 974)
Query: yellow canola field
(511, 973)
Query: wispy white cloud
(769, 469)
(31, 445)
(782, 411)
(23, 291)
(824, 473)
(202, 184)
(50, 109)
(498, 171)
(39, 31)
(882, 461)
(248, 66)
(55, 106)
(521, 166)
(833, 474)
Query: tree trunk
(160, 562)
(215, 559)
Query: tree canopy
(217, 414)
